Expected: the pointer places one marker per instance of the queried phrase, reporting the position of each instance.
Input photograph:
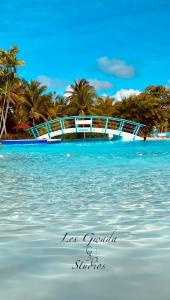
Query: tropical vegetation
(24, 104)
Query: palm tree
(17, 100)
(60, 105)
(8, 77)
(14, 94)
(37, 103)
(81, 98)
(104, 106)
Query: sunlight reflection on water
(102, 187)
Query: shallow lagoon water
(102, 187)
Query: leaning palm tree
(16, 96)
(8, 75)
(81, 98)
(36, 103)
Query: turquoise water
(101, 188)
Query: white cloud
(51, 82)
(116, 67)
(100, 84)
(125, 93)
(68, 91)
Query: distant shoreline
(158, 138)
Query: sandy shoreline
(158, 139)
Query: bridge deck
(127, 130)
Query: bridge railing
(141, 132)
(56, 125)
(70, 123)
(80, 122)
(129, 128)
(99, 123)
(114, 124)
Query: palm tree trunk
(4, 113)
(2, 121)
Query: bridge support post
(135, 132)
(37, 132)
(75, 121)
(106, 125)
(62, 127)
(33, 133)
(91, 125)
(121, 127)
(48, 128)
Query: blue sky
(114, 44)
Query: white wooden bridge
(114, 128)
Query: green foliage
(145, 108)
(31, 103)
(81, 98)
(104, 106)
(8, 83)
